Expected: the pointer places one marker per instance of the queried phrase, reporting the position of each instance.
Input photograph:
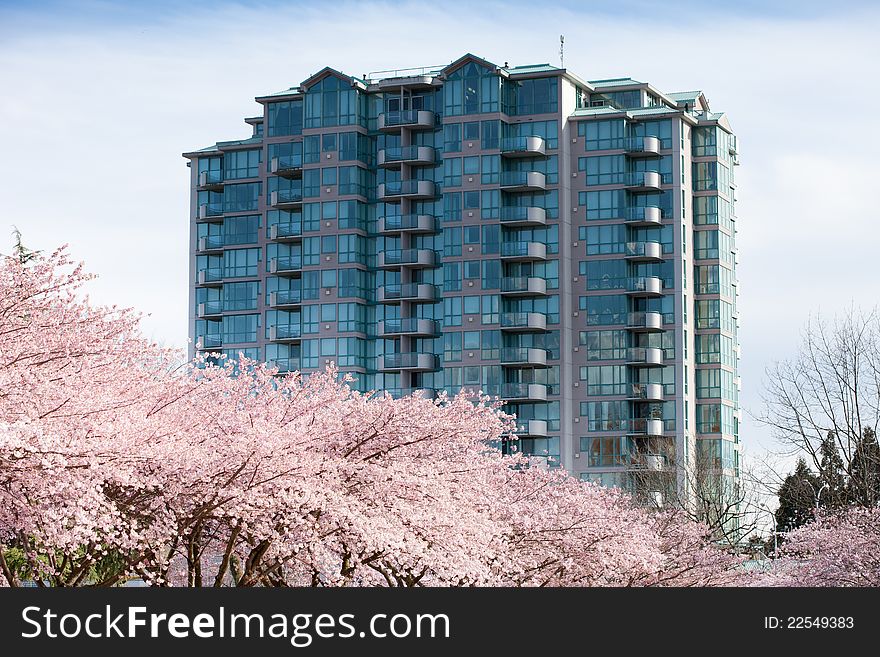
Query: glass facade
(417, 234)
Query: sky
(99, 99)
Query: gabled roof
(694, 98)
(325, 72)
(533, 68)
(614, 82)
(461, 61)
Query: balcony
(286, 265)
(643, 181)
(210, 212)
(285, 333)
(286, 232)
(211, 277)
(209, 341)
(532, 429)
(642, 147)
(645, 286)
(411, 119)
(412, 292)
(287, 166)
(523, 147)
(645, 392)
(410, 362)
(285, 365)
(522, 216)
(208, 309)
(651, 462)
(644, 252)
(414, 326)
(523, 286)
(643, 426)
(523, 181)
(210, 181)
(286, 199)
(523, 357)
(523, 322)
(646, 216)
(407, 223)
(210, 244)
(644, 357)
(411, 189)
(285, 299)
(523, 251)
(524, 392)
(644, 322)
(417, 258)
(392, 158)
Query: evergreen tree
(797, 498)
(864, 482)
(832, 490)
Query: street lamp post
(819, 495)
(773, 518)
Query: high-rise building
(566, 244)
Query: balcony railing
(643, 181)
(523, 322)
(523, 181)
(210, 243)
(644, 322)
(516, 216)
(211, 180)
(524, 357)
(285, 332)
(285, 264)
(210, 341)
(412, 155)
(524, 391)
(210, 276)
(646, 286)
(414, 189)
(407, 258)
(523, 286)
(532, 429)
(210, 212)
(411, 361)
(285, 365)
(408, 223)
(286, 166)
(644, 216)
(642, 146)
(286, 198)
(210, 309)
(412, 119)
(415, 292)
(644, 251)
(645, 426)
(285, 298)
(644, 356)
(523, 251)
(648, 392)
(288, 230)
(523, 147)
(415, 326)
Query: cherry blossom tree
(118, 460)
(837, 549)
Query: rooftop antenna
(561, 51)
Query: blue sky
(99, 100)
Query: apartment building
(566, 244)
